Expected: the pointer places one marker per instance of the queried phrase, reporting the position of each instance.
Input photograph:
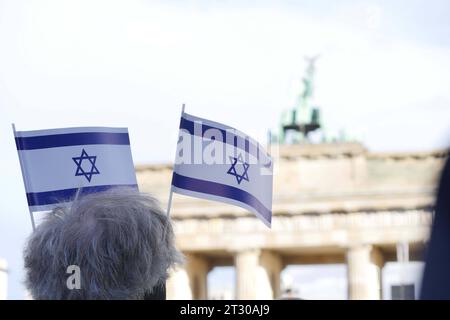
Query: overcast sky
(383, 75)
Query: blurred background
(351, 97)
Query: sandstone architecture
(333, 203)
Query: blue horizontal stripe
(221, 190)
(228, 137)
(56, 196)
(71, 139)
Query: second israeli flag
(217, 162)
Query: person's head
(120, 240)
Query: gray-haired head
(121, 240)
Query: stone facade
(332, 203)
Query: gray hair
(121, 240)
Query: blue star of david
(233, 172)
(80, 171)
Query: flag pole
(22, 168)
(169, 203)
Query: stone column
(257, 274)
(189, 282)
(178, 286)
(197, 268)
(246, 263)
(364, 263)
(270, 275)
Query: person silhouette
(436, 276)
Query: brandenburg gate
(332, 203)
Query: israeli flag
(217, 162)
(58, 163)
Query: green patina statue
(303, 118)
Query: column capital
(371, 251)
(246, 250)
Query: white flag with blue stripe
(217, 162)
(58, 163)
